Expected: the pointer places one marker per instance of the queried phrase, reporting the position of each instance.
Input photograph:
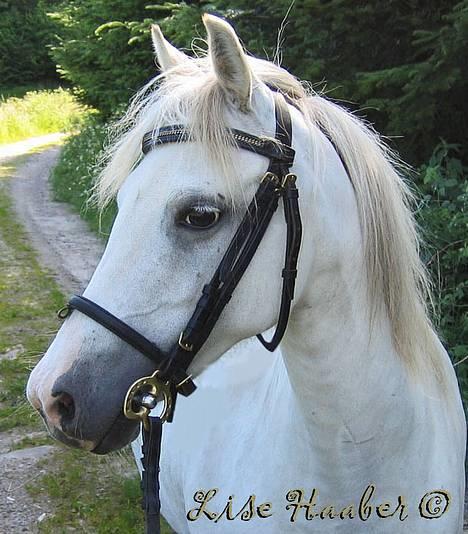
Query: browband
(264, 146)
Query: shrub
(103, 66)
(402, 61)
(444, 219)
(72, 178)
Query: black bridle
(171, 376)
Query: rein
(171, 376)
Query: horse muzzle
(83, 406)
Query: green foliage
(39, 113)
(25, 32)
(72, 178)
(101, 63)
(423, 97)
(404, 62)
(444, 218)
(104, 46)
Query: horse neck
(343, 375)
(340, 364)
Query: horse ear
(229, 60)
(167, 55)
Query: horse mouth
(69, 441)
(121, 433)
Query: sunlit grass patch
(39, 113)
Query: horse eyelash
(204, 209)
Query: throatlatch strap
(292, 215)
(289, 273)
(150, 477)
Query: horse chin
(121, 433)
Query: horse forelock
(189, 94)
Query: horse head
(178, 209)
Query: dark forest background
(400, 64)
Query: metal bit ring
(148, 386)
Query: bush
(39, 113)
(72, 178)
(104, 67)
(104, 47)
(444, 219)
(402, 61)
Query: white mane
(189, 94)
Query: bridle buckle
(270, 177)
(289, 178)
(183, 345)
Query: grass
(94, 494)
(88, 494)
(39, 113)
(32, 441)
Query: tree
(403, 62)
(104, 46)
(25, 32)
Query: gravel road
(63, 241)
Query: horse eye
(201, 219)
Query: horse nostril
(65, 406)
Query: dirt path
(18, 511)
(70, 252)
(63, 241)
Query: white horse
(356, 424)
